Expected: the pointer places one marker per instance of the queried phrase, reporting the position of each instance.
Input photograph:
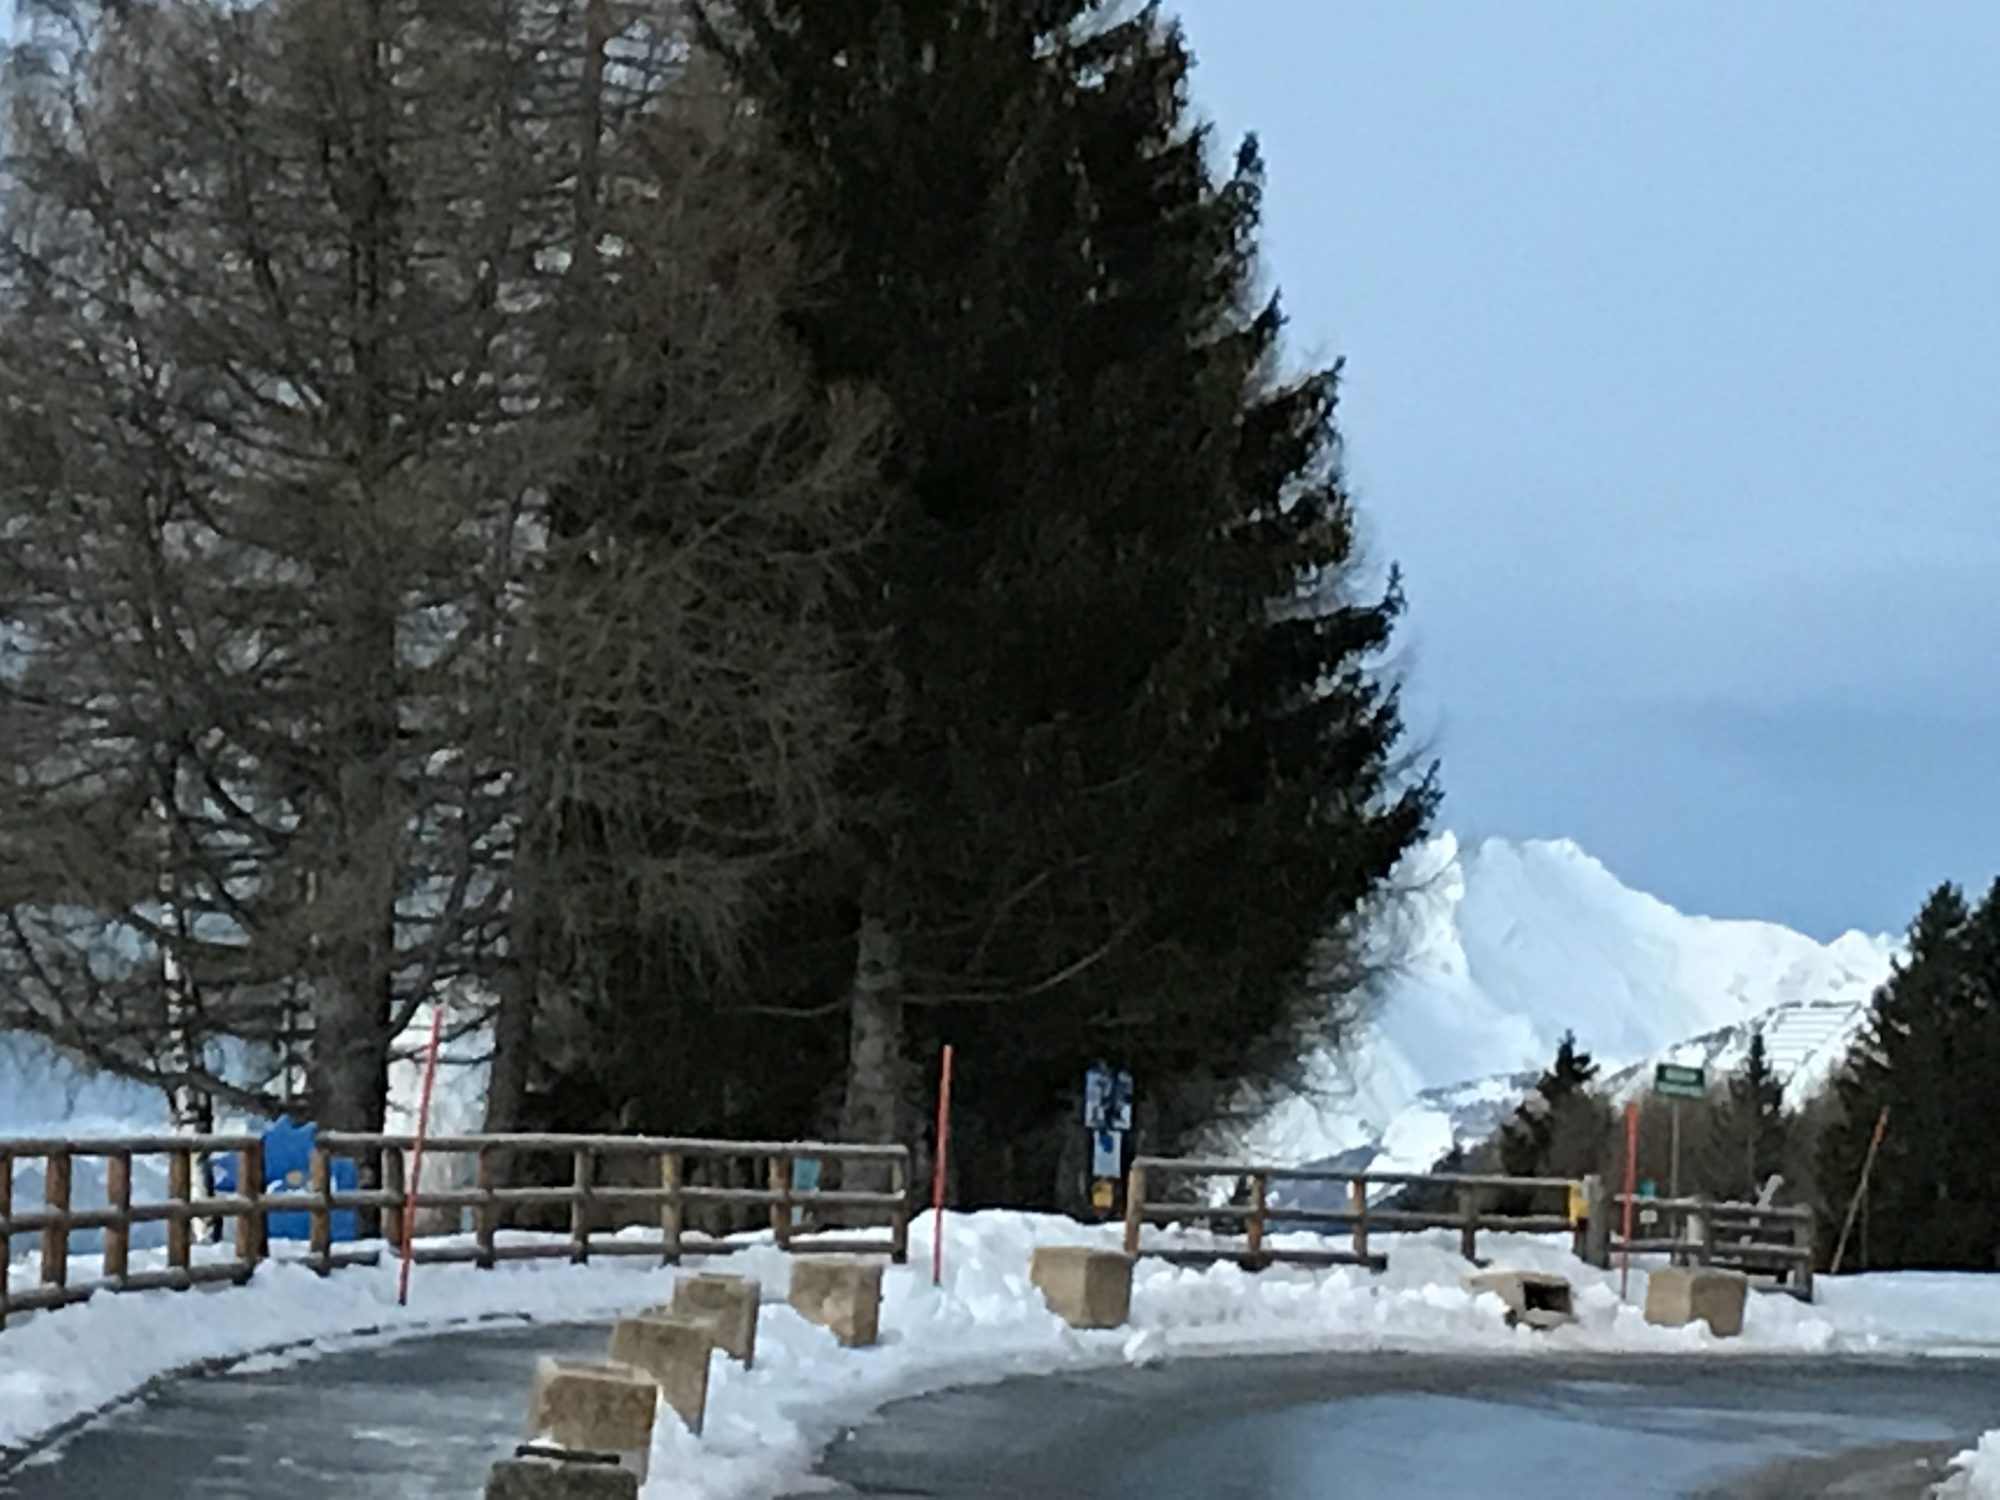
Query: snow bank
(1976, 1473)
(766, 1427)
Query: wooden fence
(1476, 1206)
(613, 1182)
(1761, 1240)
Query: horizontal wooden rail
(590, 1196)
(1259, 1218)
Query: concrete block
(672, 1353)
(729, 1305)
(1085, 1287)
(1535, 1299)
(595, 1408)
(1685, 1294)
(546, 1479)
(842, 1296)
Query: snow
(1976, 1472)
(767, 1426)
(1502, 947)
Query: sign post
(1631, 1192)
(1107, 1116)
(1671, 1081)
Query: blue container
(288, 1150)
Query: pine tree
(1134, 776)
(1932, 1036)
(1751, 1133)
(1559, 1129)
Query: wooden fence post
(579, 1207)
(320, 1230)
(1802, 1268)
(1260, 1202)
(781, 1203)
(396, 1186)
(1135, 1208)
(180, 1190)
(118, 1197)
(250, 1228)
(1468, 1224)
(672, 1215)
(899, 1226)
(1597, 1224)
(1357, 1197)
(55, 1238)
(6, 1224)
(486, 1226)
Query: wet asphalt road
(423, 1420)
(1389, 1427)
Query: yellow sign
(1101, 1193)
(1579, 1203)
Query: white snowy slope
(1505, 946)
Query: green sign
(1676, 1082)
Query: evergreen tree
(1133, 777)
(1926, 1054)
(1750, 1136)
(1560, 1129)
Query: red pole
(417, 1155)
(1631, 1191)
(938, 1169)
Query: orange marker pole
(938, 1170)
(417, 1156)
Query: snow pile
(1976, 1473)
(766, 1427)
(1505, 946)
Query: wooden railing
(606, 1184)
(1758, 1239)
(1254, 1216)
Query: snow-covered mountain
(1501, 948)
(1505, 946)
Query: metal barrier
(664, 1199)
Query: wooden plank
(1260, 1192)
(118, 1198)
(486, 1221)
(583, 1170)
(55, 1238)
(1135, 1207)
(319, 1229)
(6, 1223)
(673, 1216)
(1358, 1201)
(781, 1201)
(899, 1224)
(251, 1229)
(396, 1196)
(180, 1193)
(616, 1145)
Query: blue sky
(1673, 342)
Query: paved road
(421, 1420)
(418, 1420)
(1405, 1428)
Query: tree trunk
(870, 1112)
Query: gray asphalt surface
(423, 1419)
(1388, 1427)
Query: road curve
(1389, 1427)
(422, 1419)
